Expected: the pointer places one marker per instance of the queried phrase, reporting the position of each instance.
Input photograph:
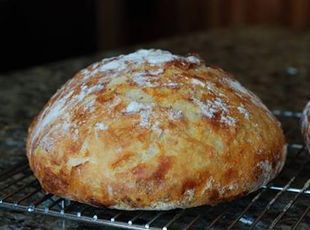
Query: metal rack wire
(285, 202)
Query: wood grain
(169, 18)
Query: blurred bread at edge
(305, 125)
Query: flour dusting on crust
(174, 114)
(152, 56)
(210, 109)
(244, 111)
(62, 108)
(198, 82)
(266, 168)
(240, 89)
(101, 126)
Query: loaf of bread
(152, 130)
(305, 125)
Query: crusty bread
(152, 130)
(305, 125)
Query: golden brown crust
(305, 125)
(151, 130)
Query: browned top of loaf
(154, 130)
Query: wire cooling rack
(283, 203)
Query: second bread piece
(305, 125)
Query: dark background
(35, 32)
